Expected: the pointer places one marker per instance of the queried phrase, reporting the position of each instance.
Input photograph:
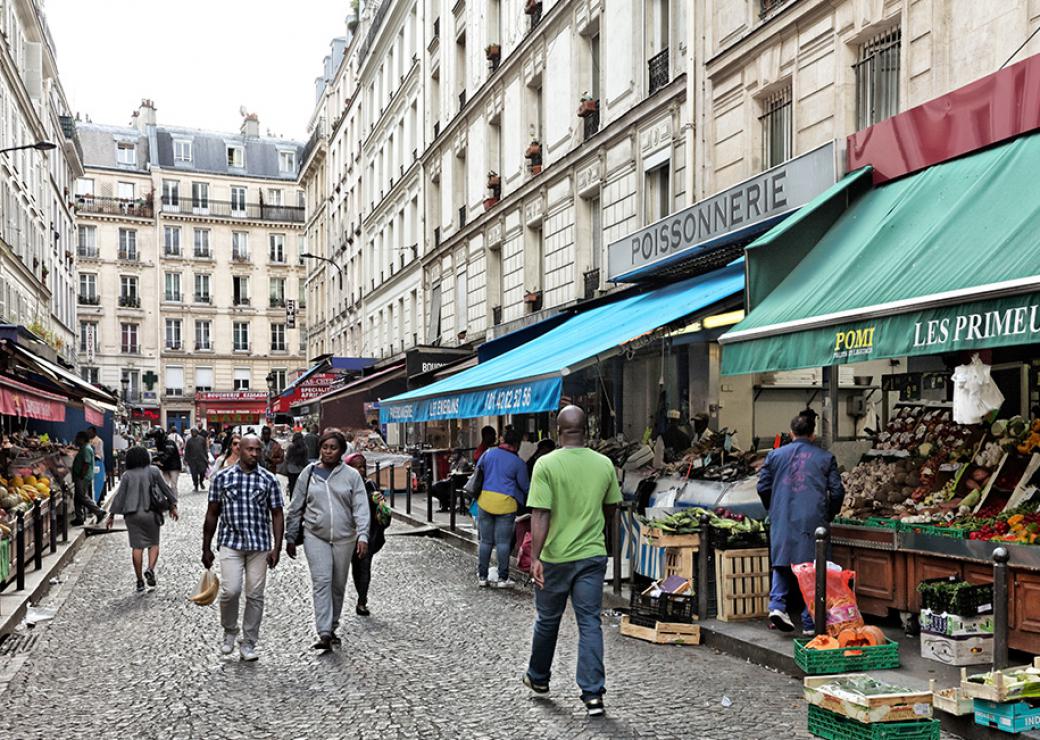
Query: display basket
(931, 530)
(846, 660)
(970, 600)
(646, 610)
(832, 726)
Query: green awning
(946, 259)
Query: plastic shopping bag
(975, 393)
(209, 586)
(842, 609)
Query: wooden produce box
(742, 580)
(902, 707)
(657, 538)
(952, 701)
(966, 650)
(400, 478)
(663, 633)
(682, 562)
(999, 692)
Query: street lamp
(40, 146)
(308, 255)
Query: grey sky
(199, 60)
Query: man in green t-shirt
(573, 494)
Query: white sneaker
(482, 583)
(781, 621)
(505, 584)
(247, 651)
(228, 646)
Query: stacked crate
(839, 715)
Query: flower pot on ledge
(536, 169)
(489, 203)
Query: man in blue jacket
(800, 486)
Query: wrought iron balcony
(130, 349)
(232, 209)
(277, 303)
(137, 207)
(172, 297)
(174, 345)
(87, 253)
(240, 301)
(130, 301)
(89, 300)
(203, 254)
(203, 346)
(590, 122)
(658, 65)
(203, 298)
(240, 257)
(129, 255)
(171, 251)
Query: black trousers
(361, 568)
(198, 480)
(84, 499)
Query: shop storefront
(345, 407)
(924, 265)
(222, 409)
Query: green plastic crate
(883, 522)
(5, 559)
(823, 662)
(833, 726)
(933, 531)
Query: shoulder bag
(475, 483)
(158, 501)
(298, 540)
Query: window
(173, 334)
(86, 241)
(128, 334)
(170, 195)
(202, 336)
(657, 193)
(240, 290)
(278, 379)
(277, 248)
(274, 197)
(172, 241)
(236, 156)
(199, 197)
(777, 132)
(84, 186)
(126, 153)
(132, 378)
(461, 302)
(240, 246)
(278, 337)
(202, 243)
(128, 294)
(173, 286)
(90, 374)
(241, 336)
(242, 378)
(286, 162)
(88, 336)
(88, 289)
(202, 288)
(238, 200)
(433, 333)
(877, 79)
(203, 379)
(277, 292)
(128, 244)
(125, 190)
(174, 380)
(181, 150)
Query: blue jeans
(582, 581)
(496, 531)
(785, 595)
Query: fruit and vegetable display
(31, 468)
(861, 685)
(688, 521)
(1018, 683)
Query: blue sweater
(505, 473)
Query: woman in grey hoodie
(329, 516)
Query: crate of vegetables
(955, 596)
(866, 699)
(1008, 684)
(856, 649)
(833, 726)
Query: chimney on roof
(250, 126)
(144, 116)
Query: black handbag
(475, 483)
(158, 501)
(298, 540)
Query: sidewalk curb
(51, 566)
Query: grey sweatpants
(330, 566)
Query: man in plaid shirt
(246, 499)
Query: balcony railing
(241, 347)
(174, 391)
(172, 297)
(203, 346)
(130, 349)
(174, 346)
(115, 206)
(171, 251)
(591, 283)
(229, 209)
(590, 122)
(203, 254)
(130, 301)
(658, 65)
(89, 300)
(88, 253)
(240, 302)
(129, 255)
(202, 298)
(279, 348)
(239, 256)
(277, 303)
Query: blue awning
(529, 379)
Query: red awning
(18, 399)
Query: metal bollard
(429, 503)
(37, 536)
(64, 515)
(52, 510)
(19, 546)
(615, 549)
(379, 479)
(1000, 608)
(702, 569)
(393, 487)
(408, 491)
(823, 537)
(451, 504)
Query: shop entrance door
(179, 419)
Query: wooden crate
(682, 562)
(663, 633)
(901, 707)
(742, 579)
(656, 538)
(999, 692)
(400, 478)
(951, 700)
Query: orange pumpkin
(822, 642)
(860, 637)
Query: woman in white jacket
(329, 515)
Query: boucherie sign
(744, 209)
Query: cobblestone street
(438, 658)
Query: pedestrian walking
(311, 440)
(273, 454)
(246, 501)
(503, 493)
(168, 457)
(295, 460)
(329, 515)
(378, 520)
(196, 457)
(488, 438)
(133, 500)
(801, 488)
(83, 481)
(98, 445)
(176, 438)
(574, 492)
(230, 456)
